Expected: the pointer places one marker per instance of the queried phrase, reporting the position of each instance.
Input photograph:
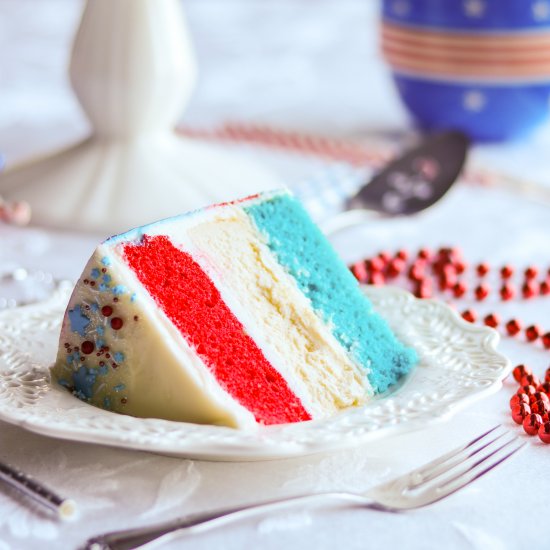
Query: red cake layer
(192, 302)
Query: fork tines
(470, 461)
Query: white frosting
(160, 376)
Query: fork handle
(134, 538)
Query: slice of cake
(237, 314)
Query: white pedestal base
(110, 186)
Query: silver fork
(425, 485)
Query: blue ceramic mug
(480, 66)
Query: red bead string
(530, 405)
(445, 272)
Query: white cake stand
(133, 70)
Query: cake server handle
(160, 533)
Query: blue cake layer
(335, 295)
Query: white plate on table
(458, 365)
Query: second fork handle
(134, 538)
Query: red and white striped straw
(293, 141)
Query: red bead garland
(513, 326)
(445, 271)
(530, 405)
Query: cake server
(409, 184)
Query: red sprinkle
(546, 340)
(116, 323)
(531, 272)
(107, 311)
(87, 347)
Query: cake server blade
(417, 179)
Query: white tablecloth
(313, 67)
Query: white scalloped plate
(459, 364)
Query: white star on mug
(400, 7)
(474, 8)
(541, 10)
(474, 101)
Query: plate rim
(258, 444)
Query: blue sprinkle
(107, 278)
(103, 287)
(95, 272)
(119, 387)
(100, 343)
(106, 260)
(107, 402)
(79, 321)
(100, 331)
(103, 370)
(94, 307)
(119, 289)
(133, 298)
(84, 380)
(119, 357)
